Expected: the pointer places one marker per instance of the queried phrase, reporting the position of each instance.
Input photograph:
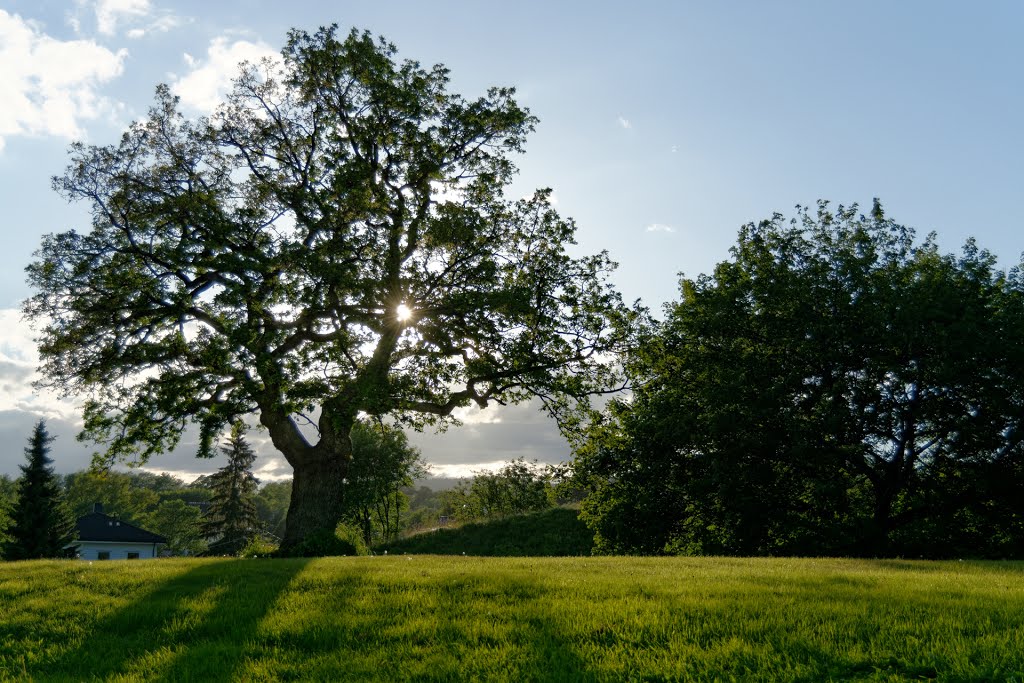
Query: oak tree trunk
(877, 540)
(316, 504)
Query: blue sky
(663, 127)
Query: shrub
(345, 540)
(258, 547)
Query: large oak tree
(335, 237)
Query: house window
(133, 556)
(103, 555)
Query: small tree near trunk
(232, 520)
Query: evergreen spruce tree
(40, 525)
(232, 519)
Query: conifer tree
(40, 525)
(232, 518)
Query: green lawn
(471, 618)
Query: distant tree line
(220, 513)
(38, 510)
(225, 512)
(517, 488)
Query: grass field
(470, 618)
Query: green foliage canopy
(8, 496)
(834, 388)
(383, 463)
(517, 488)
(255, 261)
(119, 492)
(178, 522)
(272, 501)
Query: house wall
(89, 550)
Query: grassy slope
(465, 618)
(552, 533)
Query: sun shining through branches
(298, 229)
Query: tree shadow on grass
(388, 624)
(303, 636)
(858, 627)
(535, 646)
(949, 566)
(464, 625)
(191, 627)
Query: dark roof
(97, 526)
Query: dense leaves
(178, 522)
(255, 262)
(834, 388)
(40, 525)
(383, 463)
(517, 488)
(8, 495)
(120, 493)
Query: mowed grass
(473, 618)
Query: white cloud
(207, 81)
(475, 415)
(50, 86)
(465, 471)
(660, 227)
(18, 361)
(187, 476)
(136, 18)
(269, 465)
(507, 433)
(625, 123)
(162, 24)
(110, 12)
(674, 148)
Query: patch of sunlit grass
(466, 618)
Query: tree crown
(335, 234)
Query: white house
(101, 537)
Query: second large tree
(834, 388)
(334, 238)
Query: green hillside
(511, 619)
(551, 533)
